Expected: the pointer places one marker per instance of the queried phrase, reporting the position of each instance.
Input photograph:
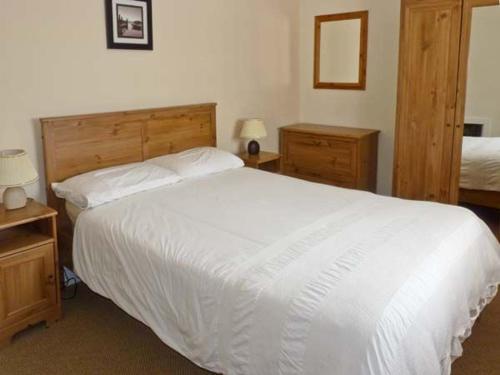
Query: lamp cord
(67, 285)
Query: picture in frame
(129, 24)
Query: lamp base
(253, 148)
(14, 198)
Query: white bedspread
(480, 163)
(247, 272)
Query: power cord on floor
(69, 286)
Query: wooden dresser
(340, 156)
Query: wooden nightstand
(29, 272)
(267, 161)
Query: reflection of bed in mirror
(480, 169)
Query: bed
(480, 171)
(249, 272)
(81, 143)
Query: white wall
(483, 85)
(253, 57)
(373, 108)
(53, 61)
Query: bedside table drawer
(27, 284)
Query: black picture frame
(136, 29)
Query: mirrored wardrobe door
(479, 184)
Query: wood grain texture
(460, 100)
(480, 198)
(340, 156)
(429, 133)
(29, 268)
(78, 144)
(483, 3)
(32, 212)
(363, 55)
(267, 161)
(27, 284)
(18, 239)
(338, 131)
(82, 143)
(427, 95)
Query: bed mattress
(72, 211)
(480, 163)
(248, 272)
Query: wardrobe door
(427, 95)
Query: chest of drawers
(340, 156)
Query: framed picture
(129, 24)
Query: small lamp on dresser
(16, 171)
(253, 129)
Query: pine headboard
(82, 143)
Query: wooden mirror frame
(363, 55)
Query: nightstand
(29, 272)
(267, 161)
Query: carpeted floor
(96, 337)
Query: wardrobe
(433, 58)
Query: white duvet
(480, 168)
(247, 272)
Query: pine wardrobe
(433, 57)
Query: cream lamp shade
(253, 129)
(16, 170)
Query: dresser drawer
(345, 182)
(329, 157)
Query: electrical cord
(67, 285)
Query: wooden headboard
(82, 143)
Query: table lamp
(253, 129)
(16, 171)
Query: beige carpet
(96, 337)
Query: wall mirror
(340, 51)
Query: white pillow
(94, 188)
(199, 161)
